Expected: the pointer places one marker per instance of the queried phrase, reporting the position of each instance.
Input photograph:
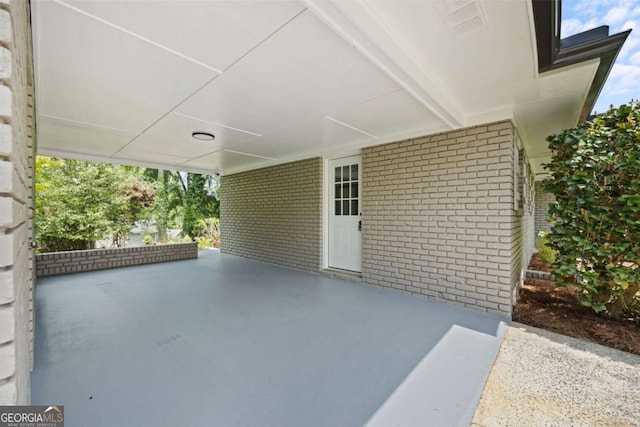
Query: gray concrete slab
(545, 379)
(225, 341)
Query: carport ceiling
(128, 82)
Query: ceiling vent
(460, 16)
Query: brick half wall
(274, 214)
(55, 263)
(438, 216)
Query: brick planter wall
(54, 263)
(533, 274)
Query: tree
(138, 197)
(595, 177)
(162, 206)
(168, 210)
(79, 202)
(201, 202)
(186, 200)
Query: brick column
(17, 150)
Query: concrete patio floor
(226, 341)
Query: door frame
(327, 202)
(326, 195)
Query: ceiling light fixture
(203, 136)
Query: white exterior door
(345, 241)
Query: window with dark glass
(346, 190)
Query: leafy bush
(546, 252)
(209, 234)
(149, 238)
(595, 177)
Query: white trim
(329, 195)
(88, 125)
(248, 154)
(216, 124)
(532, 37)
(350, 127)
(325, 213)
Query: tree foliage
(79, 202)
(162, 206)
(184, 200)
(168, 208)
(201, 202)
(595, 177)
(139, 197)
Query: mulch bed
(543, 305)
(538, 264)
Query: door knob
(360, 225)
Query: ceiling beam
(359, 27)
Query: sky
(623, 83)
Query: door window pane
(346, 190)
(345, 173)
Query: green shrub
(595, 177)
(203, 243)
(208, 233)
(546, 252)
(148, 238)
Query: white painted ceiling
(128, 82)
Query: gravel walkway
(544, 379)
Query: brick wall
(274, 214)
(438, 217)
(541, 208)
(54, 263)
(17, 147)
(522, 232)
